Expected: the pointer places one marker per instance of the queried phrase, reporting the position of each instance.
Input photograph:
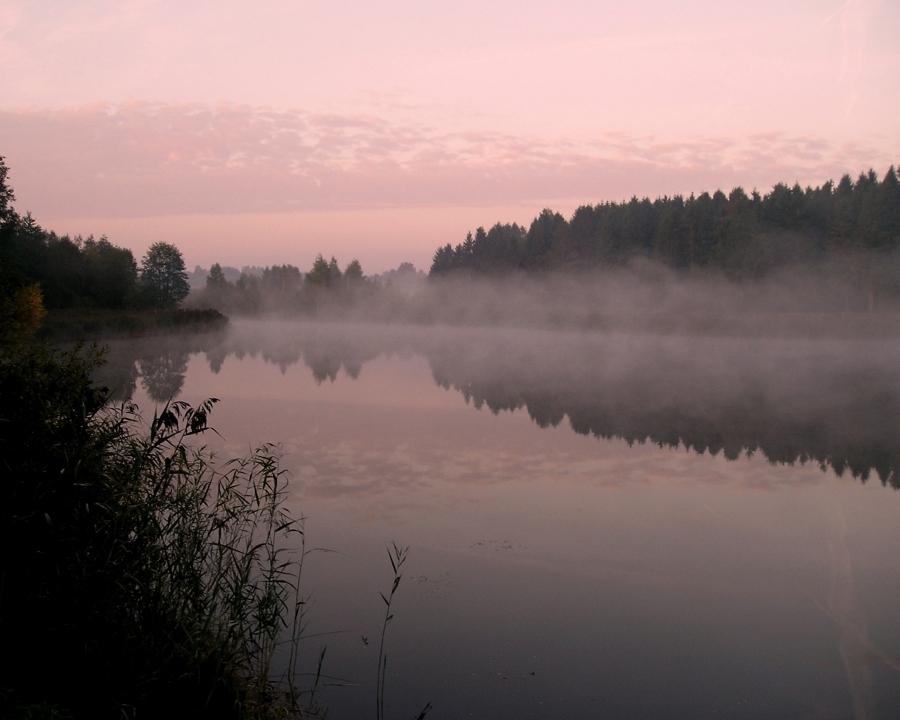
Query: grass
(149, 580)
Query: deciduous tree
(163, 277)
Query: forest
(745, 236)
(76, 277)
(324, 292)
(831, 248)
(85, 272)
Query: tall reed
(397, 556)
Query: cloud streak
(145, 159)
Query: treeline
(324, 290)
(745, 236)
(65, 272)
(71, 271)
(76, 272)
(41, 270)
(283, 287)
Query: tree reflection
(118, 374)
(216, 357)
(832, 404)
(159, 361)
(855, 429)
(323, 368)
(162, 374)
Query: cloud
(145, 159)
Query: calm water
(610, 526)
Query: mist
(648, 296)
(857, 295)
(833, 401)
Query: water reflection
(162, 374)
(160, 362)
(835, 403)
(634, 582)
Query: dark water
(613, 526)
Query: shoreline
(76, 324)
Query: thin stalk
(397, 556)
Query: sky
(259, 133)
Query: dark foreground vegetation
(138, 578)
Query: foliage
(746, 236)
(324, 274)
(216, 278)
(164, 281)
(112, 270)
(397, 555)
(21, 311)
(282, 279)
(353, 273)
(150, 582)
(6, 192)
(82, 275)
(285, 289)
(70, 272)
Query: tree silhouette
(163, 277)
(216, 278)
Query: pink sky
(255, 135)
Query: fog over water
(847, 294)
(832, 401)
(617, 523)
(644, 294)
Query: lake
(603, 525)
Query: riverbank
(77, 324)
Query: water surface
(600, 525)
